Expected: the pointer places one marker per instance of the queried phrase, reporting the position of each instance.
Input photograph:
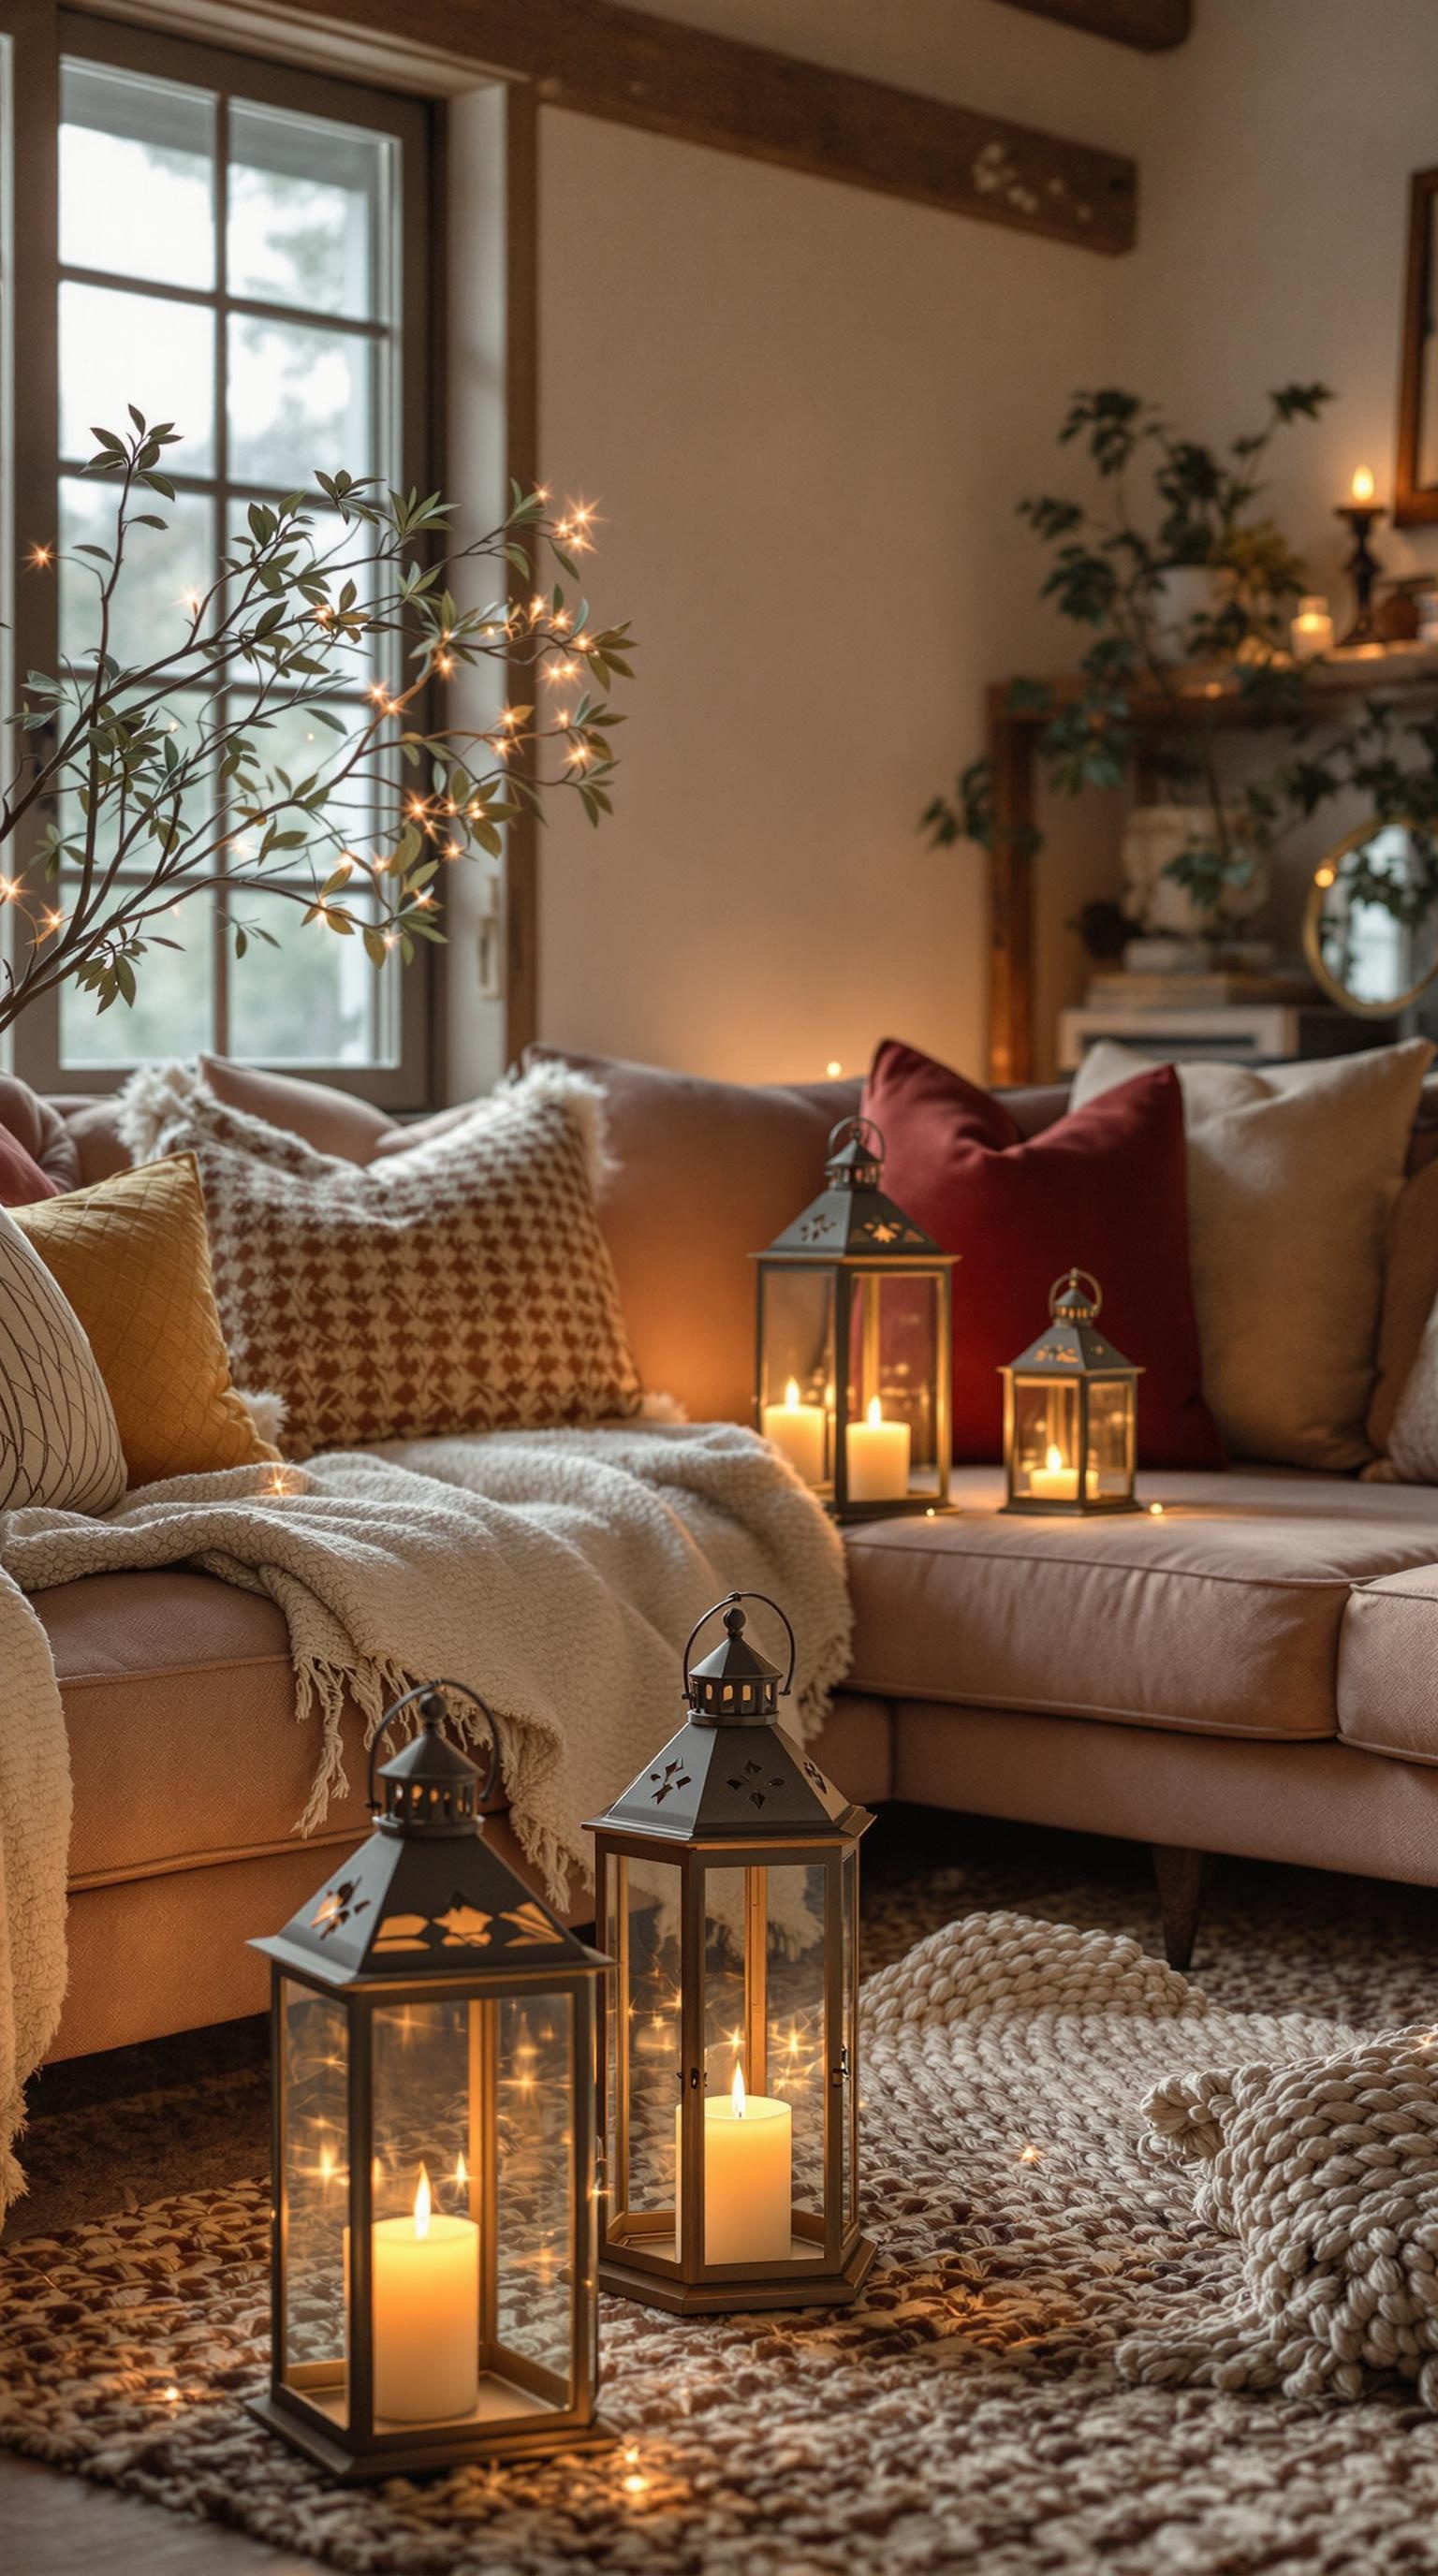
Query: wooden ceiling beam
(1153, 26)
(607, 60)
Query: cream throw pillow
(59, 1440)
(1292, 1173)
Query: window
(241, 250)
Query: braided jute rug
(966, 2414)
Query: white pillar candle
(748, 2178)
(426, 2314)
(1311, 631)
(1053, 1482)
(878, 1458)
(797, 1431)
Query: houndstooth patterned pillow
(463, 1285)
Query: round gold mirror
(1370, 930)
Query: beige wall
(807, 413)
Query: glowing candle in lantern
(426, 2314)
(748, 2177)
(797, 1431)
(1053, 1482)
(1362, 487)
(878, 1457)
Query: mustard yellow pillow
(132, 1255)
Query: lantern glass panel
(795, 2017)
(1111, 1412)
(894, 1319)
(796, 1367)
(534, 2176)
(314, 2111)
(1046, 1439)
(732, 2036)
(644, 1938)
(848, 2099)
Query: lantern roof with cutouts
(426, 1895)
(732, 1771)
(853, 1218)
(1071, 1346)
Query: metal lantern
(855, 1343)
(727, 1882)
(435, 2061)
(1071, 1412)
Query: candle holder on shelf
(1071, 1412)
(435, 2158)
(727, 1878)
(1362, 514)
(855, 1343)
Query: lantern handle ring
(864, 1131)
(727, 1603)
(1075, 1278)
(422, 1690)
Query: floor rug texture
(965, 2414)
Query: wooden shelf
(1203, 696)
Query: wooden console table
(1013, 733)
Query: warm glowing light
(1028, 2155)
(1053, 1458)
(327, 2164)
(461, 2172)
(171, 2395)
(875, 1412)
(422, 2204)
(1324, 876)
(833, 1068)
(736, 2093)
(1362, 486)
(279, 1481)
(9, 889)
(41, 558)
(1155, 1511)
(791, 1394)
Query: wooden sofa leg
(1182, 1877)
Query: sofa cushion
(1104, 1188)
(42, 1134)
(1223, 1616)
(1387, 1699)
(1293, 1170)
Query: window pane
(163, 570)
(137, 177)
(307, 213)
(117, 349)
(315, 999)
(188, 717)
(172, 1013)
(298, 399)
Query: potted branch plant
(140, 781)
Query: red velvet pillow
(1104, 1189)
(21, 1180)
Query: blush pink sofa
(1247, 1674)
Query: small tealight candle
(1311, 632)
(878, 1457)
(1054, 1482)
(797, 1431)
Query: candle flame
(791, 1396)
(421, 2204)
(461, 2172)
(1055, 1457)
(875, 1413)
(736, 2093)
(1362, 484)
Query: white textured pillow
(1292, 1172)
(59, 1440)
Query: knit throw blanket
(558, 1573)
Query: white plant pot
(1157, 834)
(1184, 592)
